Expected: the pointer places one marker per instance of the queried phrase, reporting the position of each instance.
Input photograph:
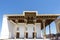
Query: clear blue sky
(18, 6)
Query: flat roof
(32, 15)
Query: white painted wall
(8, 29)
(11, 27)
(5, 30)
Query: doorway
(26, 34)
(33, 35)
(17, 35)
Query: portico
(28, 25)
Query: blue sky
(18, 6)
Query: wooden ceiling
(30, 17)
(48, 19)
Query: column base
(44, 36)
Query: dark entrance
(33, 34)
(17, 35)
(26, 35)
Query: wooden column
(15, 30)
(44, 29)
(25, 32)
(35, 30)
(40, 29)
(49, 31)
(16, 27)
(25, 29)
(57, 27)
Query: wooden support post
(15, 31)
(44, 30)
(16, 27)
(25, 29)
(25, 32)
(35, 29)
(49, 31)
(40, 29)
(35, 32)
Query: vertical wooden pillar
(49, 31)
(35, 32)
(25, 32)
(57, 27)
(16, 27)
(15, 31)
(40, 29)
(25, 29)
(44, 29)
(35, 29)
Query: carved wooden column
(44, 29)
(40, 29)
(57, 22)
(25, 29)
(35, 30)
(49, 31)
(16, 27)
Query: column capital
(16, 21)
(43, 20)
(34, 20)
(25, 20)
